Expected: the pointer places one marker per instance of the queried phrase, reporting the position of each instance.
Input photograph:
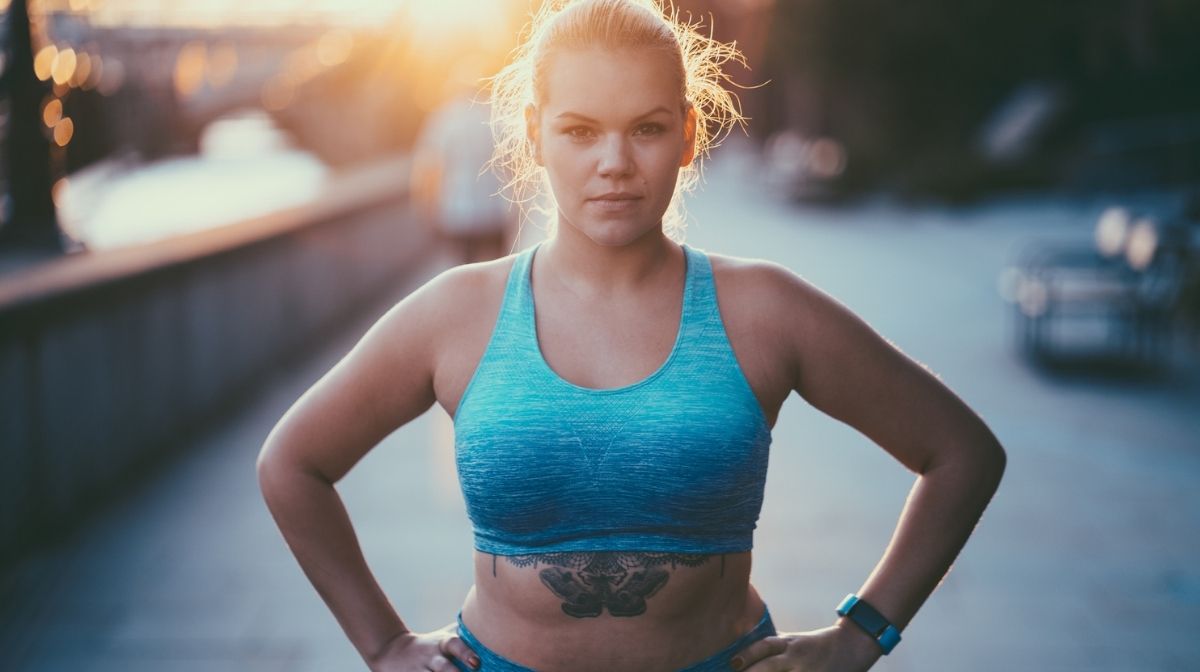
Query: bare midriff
(604, 611)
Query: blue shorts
(491, 661)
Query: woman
(613, 392)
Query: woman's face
(612, 135)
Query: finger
(455, 646)
(775, 663)
(767, 646)
(439, 663)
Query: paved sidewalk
(1085, 560)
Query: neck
(590, 269)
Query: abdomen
(603, 610)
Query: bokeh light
(334, 47)
(64, 130)
(83, 68)
(43, 62)
(189, 68)
(63, 66)
(222, 64)
(52, 112)
(1112, 230)
(1143, 242)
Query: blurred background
(203, 206)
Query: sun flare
(452, 21)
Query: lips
(615, 203)
(616, 196)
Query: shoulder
(761, 303)
(454, 313)
(457, 295)
(787, 312)
(466, 281)
(749, 274)
(765, 288)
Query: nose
(615, 157)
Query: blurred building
(111, 87)
(936, 97)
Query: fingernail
(737, 663)
(474, 661)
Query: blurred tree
(907, 85)
(33, 224)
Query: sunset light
(440, 21)
(248, 233)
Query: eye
(578, 132)
(649, 129)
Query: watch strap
(871, 621)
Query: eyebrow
(581, 117)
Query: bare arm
(848, 371)
(384, 382)
(851, 373)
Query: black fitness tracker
(870, 620)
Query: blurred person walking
(453, 189)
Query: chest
(537, 458)
(606, 345)
(614, 345)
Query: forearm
(941, 512)
(316, 527)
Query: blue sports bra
(675, 462)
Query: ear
(689, 137)
(532, 115)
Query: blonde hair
(613, 24)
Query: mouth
(616, 197)
(615, 202)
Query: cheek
(563, 166)
(660, 165)
(570, 167)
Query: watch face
(870, 619)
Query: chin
(614, 233)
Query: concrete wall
(109, 359)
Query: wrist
(865, 650)
(868, 619)
(390, 646)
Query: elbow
(266, 455)
(266, 470)
(982, 461)
(272, 463)
(988, 456)
(282, 459)
(988, 463)
(994, 463)
(262, 469)
(278, 478)
(999, 460)
(992, 457)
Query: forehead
(608, 84)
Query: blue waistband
(490, 661)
